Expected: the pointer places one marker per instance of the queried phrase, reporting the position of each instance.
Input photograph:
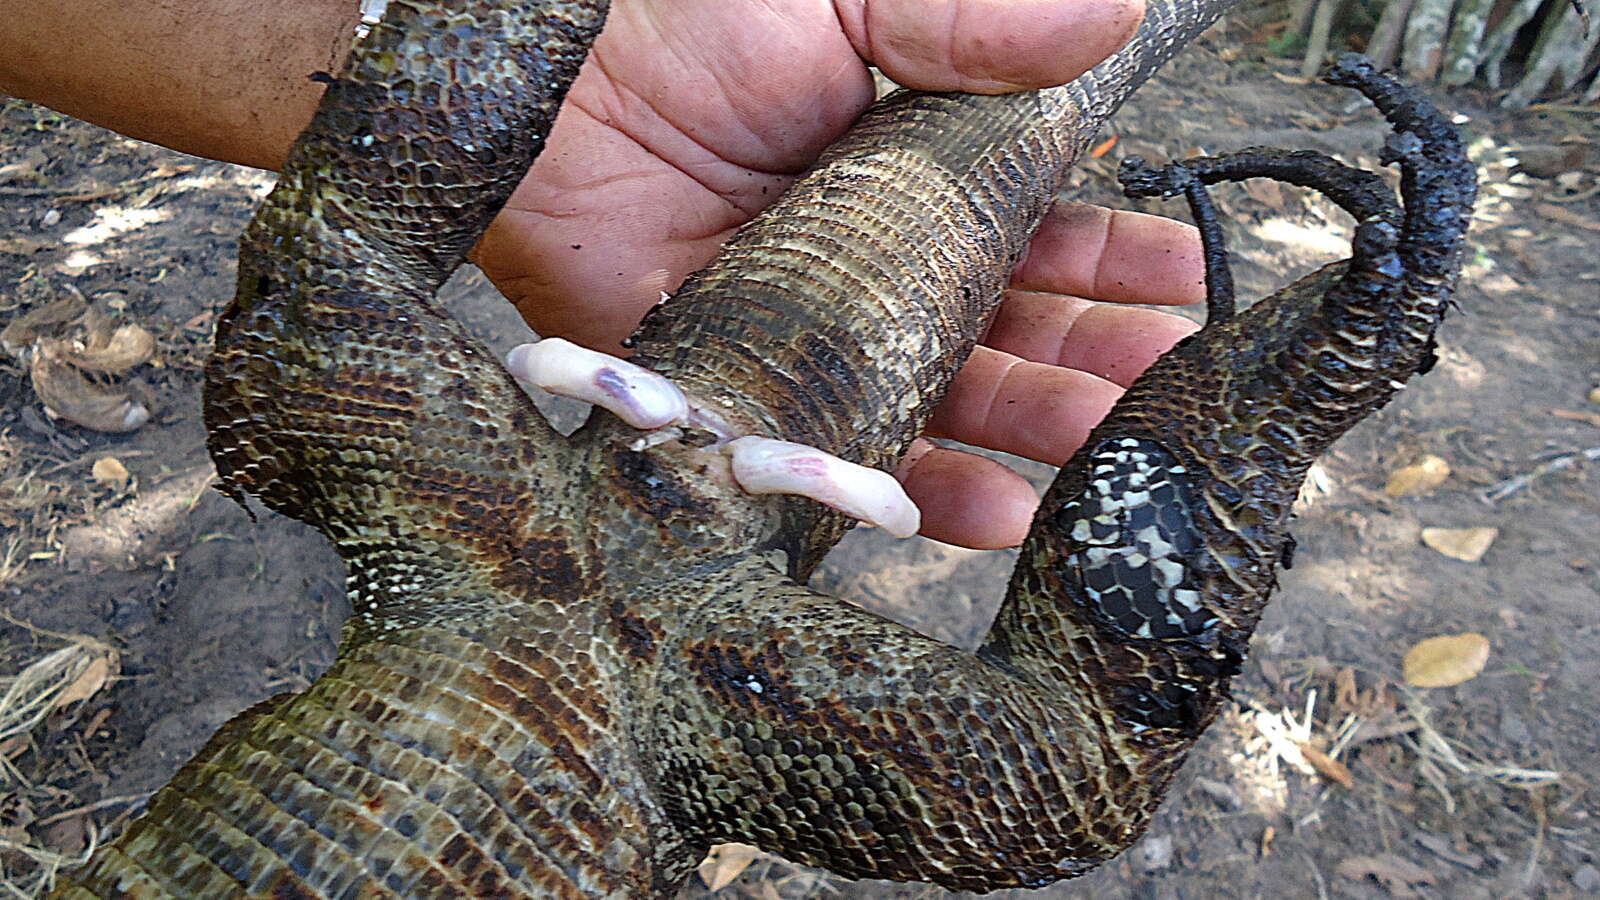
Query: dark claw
(1140, 179)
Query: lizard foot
(649, 401)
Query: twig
(1322, 886)
(1582, 195)
(93, 807)
(1564, 107)
(1538, 847)
(1501, 490)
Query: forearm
(226, 79)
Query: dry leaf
(35, 160)
(1331, 768)
(1446, 660)
(1265, 192)
(1346, 696)
(21, 332)
(1395, 873)
(67, 393)
(110, 470)
(726, 862)
(1465, 544)
(88, 683)
(114, 351)
(167, 170)
(1565, 216)
(1574, 415)
(1422, 476)
(1442, 847)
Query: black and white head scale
(1134, 541)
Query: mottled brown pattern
(576, 663)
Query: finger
(966, 499)
(1110, 341)
(1114, 255)
(987, 46)
(1003, 402)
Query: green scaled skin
(575, 663)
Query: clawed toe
(767, 466)
(632, 393)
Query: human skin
(689, 118)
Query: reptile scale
(577, 662)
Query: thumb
(987, 46)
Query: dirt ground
(168, 610)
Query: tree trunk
(1385, 43)
(1425, 34)
(1557, 58)
(1499, 41)
(1463, 50)
(1321, 28)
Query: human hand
(693, 115)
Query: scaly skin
(573, 665)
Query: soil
(1484, 789)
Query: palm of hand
(690, 117)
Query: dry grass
(72, 672)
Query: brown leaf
(1346, 696)
(1446, 660)
(1465, 544)
(1395, 873)
(1565, 216)
(1265, 192)
(1382, 728)
(21, 246)
(114, 351)
(109, 470)
(726, 862)
(30, 163)
(67, 837)
(1422, 476)
(1441, 846)
(89, 682)
(1577, 416)
(70, 395)
(1330, 768)
(167, 170)
(21, 332)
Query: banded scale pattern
(1137, 513)
(576, 663)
